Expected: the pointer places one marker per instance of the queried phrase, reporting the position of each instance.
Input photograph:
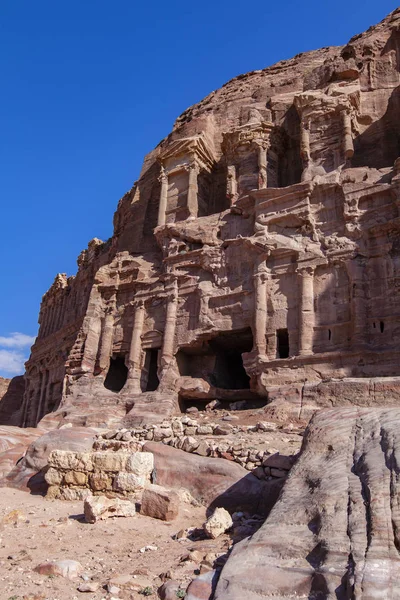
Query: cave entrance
(219, 360)
(282, 343)
(151, 380)
(117, 374)
(228, 347)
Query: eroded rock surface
(334, 533)
(258, 250)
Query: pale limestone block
(109, 461)
(129, 482)
(71, 461)
(140, 463)
(53, 476)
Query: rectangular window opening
(282, 343)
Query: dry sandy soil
(53, 530)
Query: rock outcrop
(335, 531)
(258, 251)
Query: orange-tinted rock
(160, 503)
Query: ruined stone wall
(259, 247)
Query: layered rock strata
(334, 532)
(258, 249)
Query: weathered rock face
(11, 398)
(259, 248)
(334, 532)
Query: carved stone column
(231, 184)
(192, 200)
(162, 207)
(305, 141)
(135, 350)
(358, 302)
(262, 166)
(306, 310)
(91, 344)
(44, 377)
(260, 308)
(348, 146)
(168, 345)
(106, 343)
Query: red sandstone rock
(160, 503)
(259, 246)
(212, 481)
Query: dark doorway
(282, 343)
(229, 372)
(150, 366)
(117, 374)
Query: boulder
(219, 522)
(74, 439)
(213, 482)
(70, 569)
(160, 503)
(335, 531)
(97, 508)
(202, 588)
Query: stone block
(110, 461)
(140, 463)
(75, 478)
(219, 522)
(53, 476)
(160, 503)
(71, 494)
(99, 481)
(129, 482)
(279, 461)
(278, 472)
(99, 507)
(71, 461)
(189, 444)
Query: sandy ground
(53, 530)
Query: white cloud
(12, 362)
(16, 340)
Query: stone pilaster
(91, 344)
(168, 345)
(107, 334)
(135, 350)
(262, 149)
(192, 199)
(348, 145)
(260, 308)
(306, 310)
(231, 184)
(162, 208)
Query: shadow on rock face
(213, 481)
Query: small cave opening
(150, 368)
(219, 360)
(282, 343)
(117, 374)
(382, 326)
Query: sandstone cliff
(258, 254)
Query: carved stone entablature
(180, 154)
(257, 133)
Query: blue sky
(89, 87)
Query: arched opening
(117, 374)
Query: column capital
(163, 176)
(306, 270)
